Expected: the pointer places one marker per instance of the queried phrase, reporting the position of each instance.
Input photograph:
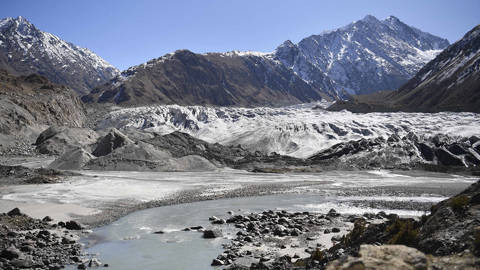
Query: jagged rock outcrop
(24, 49)
(395, 152)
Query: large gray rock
(398, 257)
(58, 140)
(111, 141)
(74, 159)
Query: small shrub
(300, 263)
(404, 232)
(459, 203)
(476, 240)
(359, 227)
(317, 255)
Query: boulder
(14, 212)
(453, 225)
(210, 234)
(11, 253)
(73, 225)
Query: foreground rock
(454, 225)
(398, 257)
(31, 243)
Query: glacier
(298, 131)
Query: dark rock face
(447, 158)
(25, 50)
(110, 142)
(426, 151)
(181, 144)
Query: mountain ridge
(364, 56)
(224, 79)
(301, 67)
(25, 49)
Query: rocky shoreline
(31, 243)
(274, 239)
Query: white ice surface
(298, 131)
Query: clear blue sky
(127, 33)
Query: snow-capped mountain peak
(25, 49)
(365, 56)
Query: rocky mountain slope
(34, 101)
(450, 82)
(24, 49)
(363, 57)
(219, 79)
